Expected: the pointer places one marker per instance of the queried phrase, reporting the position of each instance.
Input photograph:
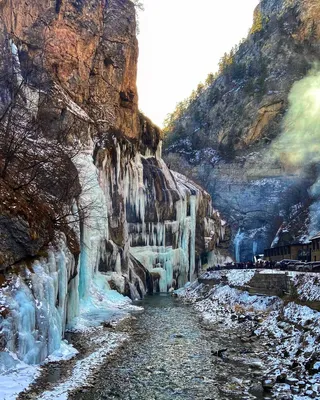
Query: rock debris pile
(286, 332)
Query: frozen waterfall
(237, 244)
(134, 217)
(37, 307)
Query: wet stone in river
(172, 357)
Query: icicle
(134, 294)
(95, 222)
(31, 95)
(37, 307)
(193, 217)
(237, 245)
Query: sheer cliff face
(229, 128)
(89, 48)
(82, 59)
(131, 223)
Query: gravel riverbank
(213, 341)
(288, 332)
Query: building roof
(289, 244)
(317, 236)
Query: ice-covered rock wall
(36, 301)
(160, 223)
(146, 228)
(131, 225)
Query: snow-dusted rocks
(287, 333)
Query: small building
(293, 251)
(315, 248)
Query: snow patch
(83, 369)
(15, 375)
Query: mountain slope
(223, 135)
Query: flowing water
(171, 356)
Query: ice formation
(237, 245)
(161, 215)
(41, 300)
(140, 227)
(35, 307)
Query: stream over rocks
(173, 356)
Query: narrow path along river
(172, 356)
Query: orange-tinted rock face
(310, 28)
(88, 48)
(78, 61)
(109, 205)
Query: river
(171, 355)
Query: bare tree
(35, 165)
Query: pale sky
(180, 42)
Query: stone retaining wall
(270, 284)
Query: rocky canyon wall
(100, 211)
(225, 135)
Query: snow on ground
(272, 271)
(234, 297)
(65, 352)
(83, 368)
(240, 277)
(103, 305)
(289, 332)
(232, 301)
(234, 277)
(209, 302)
(292, 335)
(308, 286)
(15, 376)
